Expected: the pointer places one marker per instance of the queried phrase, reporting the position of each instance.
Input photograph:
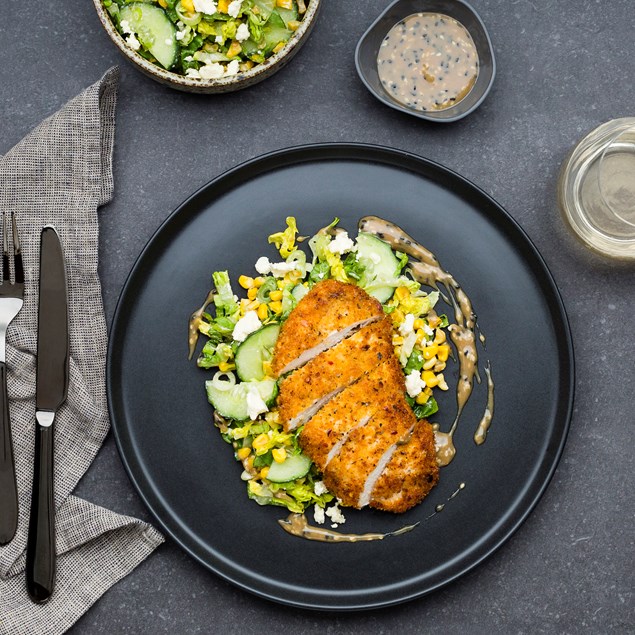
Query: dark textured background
(563, 68)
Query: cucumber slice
(294, 466)
(274, 32)
(380, 263)
(255, 350)
(288, 15)
(265, 7)
(154, 30)
(232, 403)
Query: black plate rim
(371, 153)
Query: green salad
(241, 336)
(206, 39)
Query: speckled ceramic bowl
(224, 84)
(368, 49)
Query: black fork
(11, 298)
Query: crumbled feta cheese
(192, 72)
(234, 8)
(205, 6)
(255, 403)
(336, 516)
(414, 383)
(277, 269)
(427, 330)
(341, 243)
(246, 325)
(319, 488)
(181, 34)
(407, 326)
(219, 39)
(242, 33)
(132, 42)
(263, 266)
(188, 58)
(212, 71)
(318, 514)
(232, 68)
(125, 26)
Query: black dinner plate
(187, 475)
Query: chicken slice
(363, 456)
(410, 474)
(305, 391)
(328, 314)
(326, 432)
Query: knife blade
(51, 390)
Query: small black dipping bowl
(368, 49)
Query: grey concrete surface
(563, 68)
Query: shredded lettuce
(285, 240)
(224, 299)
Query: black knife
(51, 389)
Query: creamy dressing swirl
(196, 319)
(298, 525)
(427, 270)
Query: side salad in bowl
(242, 334)
(201, 42)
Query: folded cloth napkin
(60, 174)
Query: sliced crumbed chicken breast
(329, 313)
(410, 474)
(306, 390)
(348, 391)
(325, 433)
(347, 473)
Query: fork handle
(40, 549)
(8, 486)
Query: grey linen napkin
(60, 174)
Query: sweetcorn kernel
(439, 336)
(429, 364)
(278, 47)
(243, 453)
(259, 281)
(442, 383)
(276, 307)
(430, 351)
(263, 312)
(418, 324)
(279, 455)
(188, 5)
(401, 293)
(397, 317)
(252, 293)
(430, 378)
(246, 282)
(225, 367)
(444, 352)
(276, 295)
(422, 398)
(434, 320)
(260, 441)
(264, 472)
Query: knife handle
(40, 550)
(8, 486)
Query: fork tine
(6, 272)
(19, 269)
